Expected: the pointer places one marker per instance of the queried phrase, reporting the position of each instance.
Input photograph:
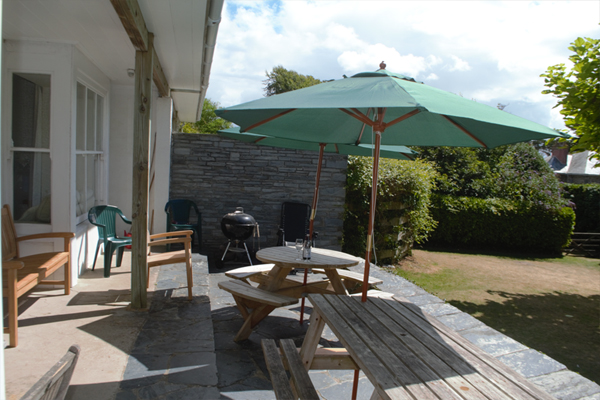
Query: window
(89, 155)
(31, 147)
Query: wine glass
(299, 245)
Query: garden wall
(220, 174)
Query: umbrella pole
(371, 214)
(312, 218)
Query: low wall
(220, 174)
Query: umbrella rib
(465, 131)
(264, 121)
(362, 130)
(402, 118)
(358, 115)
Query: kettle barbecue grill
(238, 227)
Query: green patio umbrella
(395, 152)
(398, 110)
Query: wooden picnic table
(285, 261)
(275, 290)
(407, 353)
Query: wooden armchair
(172, 257)
(21, 274)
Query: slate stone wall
(220, 174)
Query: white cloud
(459, 65)
(492, 51)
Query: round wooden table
(284, 259)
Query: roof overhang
(184, 31)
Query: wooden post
(141, 138)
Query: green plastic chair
(104, 217)
(178, 218)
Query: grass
(550, 305)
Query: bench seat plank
(244, 273)
(251, 293)
(279, 379)
(302, 383)
(351, 275)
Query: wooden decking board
(419, 378)
(441, 378)
(360, 353)
(497, 373)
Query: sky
(488, 51)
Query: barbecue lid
(239, 218)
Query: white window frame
(100, 183)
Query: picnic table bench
(408, 354)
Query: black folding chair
(295, 220)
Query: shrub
(402, 213)
(500, 224)
(586, 198)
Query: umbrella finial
(382, 65)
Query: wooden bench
(21, 274)
(288, 359)
(244, 273)
(352, 280)
(254, 304)
(55, 383)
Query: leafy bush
(514, 172)
(500, 224)
(402, 214)
(587, 205)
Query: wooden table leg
(257, 315)
(276, 277)
(311, 339)
(336, 281)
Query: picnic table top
(284, 256)
(408, 354)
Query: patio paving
(184, 349)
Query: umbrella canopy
(395, 152)
(415, 115)
(398, 110)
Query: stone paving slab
(567, 385)
(186, 349)
(174, 354)
(531, 363)
(492, 341)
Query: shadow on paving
(562, 325)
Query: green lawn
(550, 305)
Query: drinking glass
(299, 244)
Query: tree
(281, 80)
(209, 122)
(578, 91)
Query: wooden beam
(160, 80)
(141, 138)
(133, 21)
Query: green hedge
(586, 198)
(402, 215)
(499, 224)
